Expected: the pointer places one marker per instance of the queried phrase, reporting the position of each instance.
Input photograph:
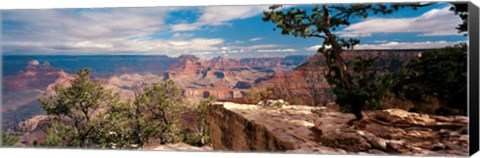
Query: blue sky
(231, 31)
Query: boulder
(347, 139)
(273, 103)
(402, 116)
(243, 127)
(376, 142)
(181, 147)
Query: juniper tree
(152, 117)
(322, 22)
(198, 134)
(76, 112)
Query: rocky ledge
(304, 129)
(177, 147)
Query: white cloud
(262, 46)
(380, 41)
(186, 27)
(407, 45)
(255, 39)
(238, 41)
(315, 47)
(119, 30)
(289, 50)
(182, 35)
(436, 22)
(219, 15)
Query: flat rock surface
(306, 129)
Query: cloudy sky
(232, 31)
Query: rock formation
(177, 147)
(22, 91)
(306, 129)
(224, 78)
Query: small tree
(9, 139)
(320, 23)
(256, 95)
(75, 111)
(369, 88)
(199, 134)
(157, 110)
(153, 117)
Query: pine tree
(321, 22)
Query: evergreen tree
(152, 118)
(76, 112)
(9, 139)
(321, 22)
(197, 131)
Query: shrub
(441, 73)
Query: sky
(230, 31)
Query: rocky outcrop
(241, 127)
(23, 90)
(306, 129)
(178, 147)
(306, 85)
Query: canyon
(297, 79)
(27, 79)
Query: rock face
(241, 127)
(306, 129)
(306, 85)
(226, 79)
(22, 91)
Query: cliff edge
(305, 129)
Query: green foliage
(199, 134)
(56, 131)
(256, 95)
(85, 115)
(9, 139)
(296, 101)
(461, 9)
(76, 111)
(159, 106)
(153, 117)
(441, 73)
(368, 88)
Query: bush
(256, 95)
(199, 133)
(9, 139)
